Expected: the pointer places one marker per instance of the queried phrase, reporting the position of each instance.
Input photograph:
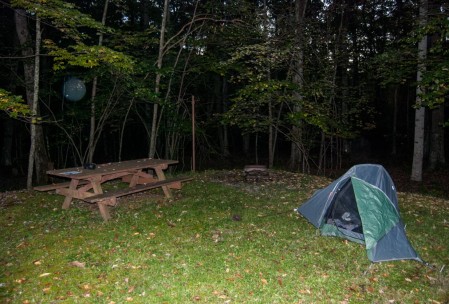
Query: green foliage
(81, 55)
(395, 66)
(63, 15)
(75, 26)
(257, 62)
(435, 80)
(13, 105)
(252, 66)
(249, 110)
(436, 85)
(398, 64)
(136, 44)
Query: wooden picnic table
(86, 184)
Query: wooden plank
(111, 201)
(55, 186)
(142, 179)
(79, 194)
(175, 183)
(125, 167)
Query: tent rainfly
(362, 206)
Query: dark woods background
(311, 86)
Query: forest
(305, 85)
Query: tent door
(343, 212)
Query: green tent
(362, 206)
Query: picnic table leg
(104, 211)
(96, 185)
(134, 179)
(102, 205)
(68, 199)
(161, 176)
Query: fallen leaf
(151, 235)
(431, 278)
(77, 264)
(21, 280)
(44, 274)
(280, 281)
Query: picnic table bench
(86, 184)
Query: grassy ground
(222, 240)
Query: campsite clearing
(154, 251)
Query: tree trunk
(38, 155)
(256, 148)
(246, 144)
(418, 148)
(224, 99)
(437, 138)
(7, 138)
(33, 106)
(298, 76)
(395, 122)
(271, 143)
(322, 160)
(92, 142)
(7, 144)
(122, 129)
(220, 92)
(154, 122)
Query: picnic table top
(108, 168)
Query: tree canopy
(321, 76)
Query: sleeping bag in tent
(362, 206)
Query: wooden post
(193, 135)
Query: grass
(220, 241)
